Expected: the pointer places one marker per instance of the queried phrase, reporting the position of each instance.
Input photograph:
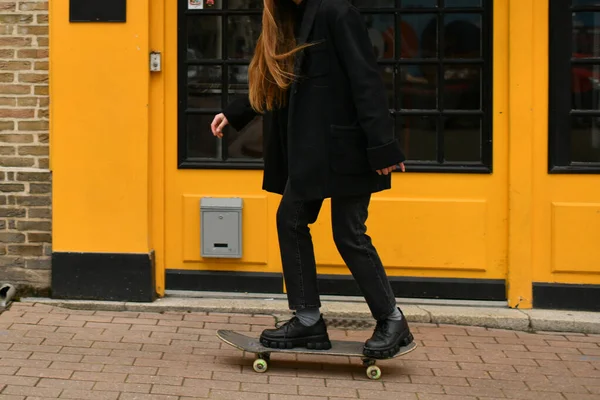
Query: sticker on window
(195, 4)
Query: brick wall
(25, 203)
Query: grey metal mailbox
(221, 227)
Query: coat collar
(308, 20)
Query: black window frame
(560, 94)
(485, 166)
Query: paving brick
(31, 391)
(5, 355)
(99, 376)
(579, 396)
(15, 362)
(155, 379)
(123, 387)
(73, 366)
(270, 388)
(286, 380)
(88, 395)
(429, 396)
(116, 346)
(212, 384)
(294, 397)
(460, 373)
(192, 391)
(9, 397)
(229, 395)
(85, 351)
(383, 395)
(440, 380)
(326, 391)
(56, 357)
(112, 360)
(17, 380)
(8, 371)
(45, 373)
(413, 388)
(532, 395)
(186, 372)
(65, 384)
(134, 321)
(130, 369)
(143, 396)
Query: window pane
(418, 137)
(204, 37)
(245, 4)
(387, 72)
(204, 86)
(462, 36)
(381, 33)
(585, 139)
(415, 44)
(585, 2)
(419, 3)
(462, 139)
(200, 141)
(242, 34)
(247, 143)
(375, 3)
(462, 3)
(586, 87)
(419, 87)
(238, 82)
(586, 35)
(462, 87)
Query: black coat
(339, 130)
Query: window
(435, 58)
(574, 120)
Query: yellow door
(441, 231)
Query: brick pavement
(50, 353)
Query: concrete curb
(488, 317)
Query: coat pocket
(348, 150)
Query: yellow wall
(429, 225)
(566, 208)
(99, 116)
(117, 187)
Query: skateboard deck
(339, 348)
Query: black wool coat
(338, 126)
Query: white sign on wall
(195, 4)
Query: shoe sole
(390, 351)
(320, 342)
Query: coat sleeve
(239, 113)
(355, 51)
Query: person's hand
(389, 170)
(218, 124)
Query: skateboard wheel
(373, 372)
(260, 365)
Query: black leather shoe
(388, 338)
(294, 334)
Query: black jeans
(348, 217)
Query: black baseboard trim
(421, 288)
(342, 285)
(559, 296)
(103, 276)
(224, 281)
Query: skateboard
(339, 348)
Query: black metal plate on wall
(98, 10)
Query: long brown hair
(271, 70)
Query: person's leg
(307, 328)
(348, 217)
